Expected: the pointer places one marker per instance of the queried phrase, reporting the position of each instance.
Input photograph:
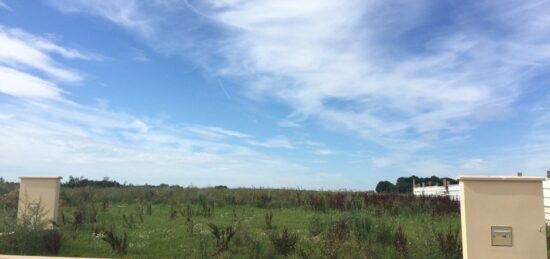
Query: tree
(404, 184)
(385, 186)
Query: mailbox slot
(501, 236)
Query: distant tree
(385, 186)
(404, 184)
(82, 182)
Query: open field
(175, 222)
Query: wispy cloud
(124, 13)
(277, 142)
(289, 124)
(3, 5)
(19, 84)
(23, 50)
(215, 132)
(344, 64)
(42, 131)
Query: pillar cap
(501, 178)
(41, 177)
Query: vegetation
(176, 222)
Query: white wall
(546, 193)
(453, 193)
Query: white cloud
(215, 132)
(323, 152)
(18, 84)
(22, 50)
(277, 142)
(5, 116)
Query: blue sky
(311, 94)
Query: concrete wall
(42, 191)
(516, 202)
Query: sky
(313, 94)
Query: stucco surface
(510, 201)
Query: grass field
(175, 222)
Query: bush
(29, 236)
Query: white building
(453, 191)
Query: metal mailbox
(501, 236)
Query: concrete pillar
(39, 193)
(502, 217)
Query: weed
(129, 220)
(316, 225)
(104, 205)
(361, 226)
(339, 230)
(149, 209)
(173, 212)
(268, 220)
(119, 244)
(223, 236)
(450, 244)
(384, 233)
(283, 241)
(400, 242)
(203, 246)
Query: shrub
(283, 241)
(29, 235)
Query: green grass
(159, 236)
(346, 224)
